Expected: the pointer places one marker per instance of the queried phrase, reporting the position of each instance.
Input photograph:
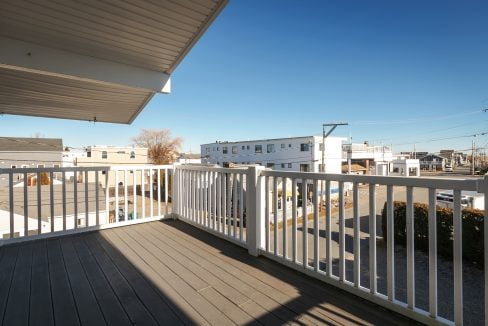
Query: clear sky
(400, 72)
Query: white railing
(276, 228)
(214, 199)
(45, 202)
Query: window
(283, 146)
(13, 166)
(395, 170)
(88, 154)
(321, 147)
(289, 165)
(282, 165)
(207, 150)
(56, 166)
(289, 145)
(120, 152)
(234, 149)
(25, 166)
(258, 149)
(243, 147)
(218, 149)
(270, 165)
(247, 147)
(133, 154)
(224, 150)
(40, 165)
(304, 167)
(104, 155)
(270, 148)
(304, 147)
(321, 167)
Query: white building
(288, 154)
(366, 155)
(405, 168)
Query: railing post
(175, 192)
(485, 235)
(255, 210)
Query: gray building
(16, 152)
(432, 162)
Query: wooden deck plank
(17, 310)
(210, 313)
(41, 312)
(64, 308)
(111, 308)
(223, 282)
(86, 302)
(188, 315)
(170, 258)
(256, 289)
(136, 311)
(162, 310)
(7, 266)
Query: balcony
(189, 244)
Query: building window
(104, 155)
(396, 170)
(88, 154)
(247, 147)
(218, 149)
(133, 154)
(243, 147)
(224, 150)
(270, 148)
(282, 165)
(234, 149)
(13, 166)
(258, 149)
(304, 167)
(40, 165)
(289, 145)
(56, 166)
(289, 165)
(304, 147)
(270, 165)
(207, 150)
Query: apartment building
(365, 156)
(287, 154)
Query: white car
(448, 168)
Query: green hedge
(472, 230)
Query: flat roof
(269, 139)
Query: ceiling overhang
(96, 60)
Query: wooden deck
(164, 273)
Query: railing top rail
(58, 169)
(438, 183)
(212, 168)
(140, 167)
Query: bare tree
(38, 134)
(162, 146)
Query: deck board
(165, 273)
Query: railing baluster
(166, 184)
(241, 205)
(410, 250)
(11, 204)
(64, 199)
(26, 207)
(151, 193)
(117, 217)
(126, 197)
(372, 239)
(294, 214)
(316, 199)
(357, 236)
(342, 240)
(134, 194)
(229, 198)
(328, 229)
(51, 199)
(390, 243)
(275, 215)
(75, 199)
(266, 213)
(304, 224)
(224, 202)
(234, 204)
(458, 258)
(284, 217)
(39, 202)
(202, 198)
(107, 198)
(432, 253)
(215, 195)
(86, 197)
(97, 199)
(158, 178)
(143, 194)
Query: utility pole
(325, 134)
(472, 157)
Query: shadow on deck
(165, 273)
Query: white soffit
(91, 60)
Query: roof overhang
(96, 61)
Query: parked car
(448, 168)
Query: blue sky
(400, 72)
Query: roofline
(270, 139)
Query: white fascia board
(20, 55)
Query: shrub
(472, 230)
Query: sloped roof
(20, 144)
